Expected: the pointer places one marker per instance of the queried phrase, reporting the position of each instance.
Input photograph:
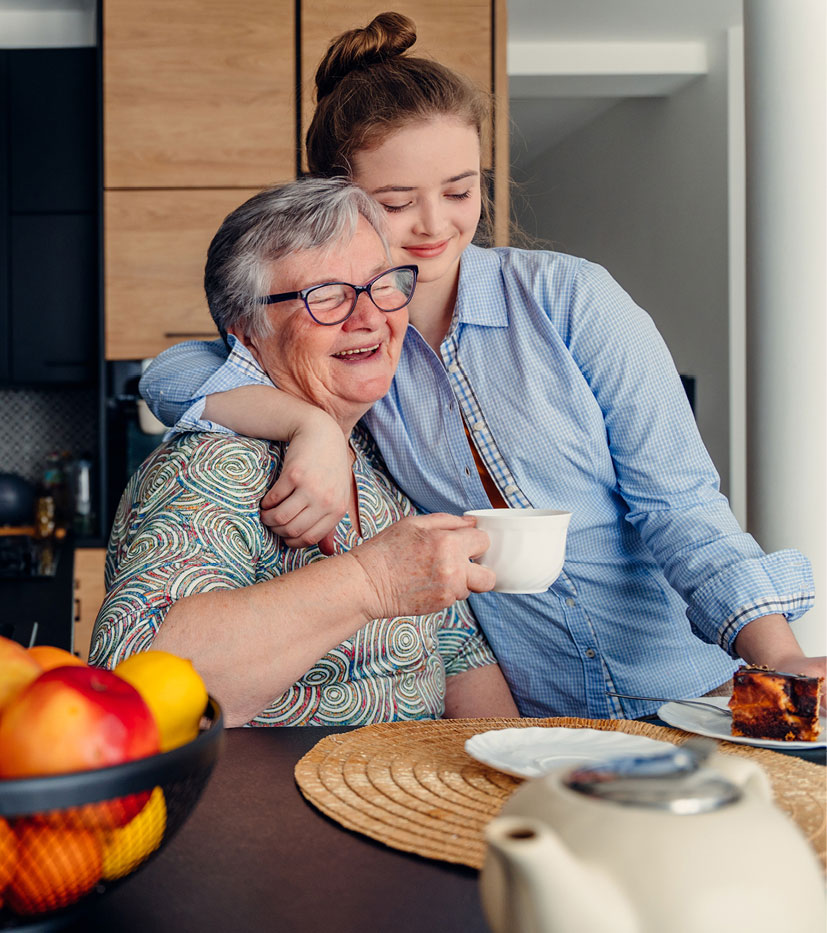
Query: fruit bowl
(66, 839)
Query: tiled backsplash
(35, 422)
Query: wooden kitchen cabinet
(201, 109)
(156, 246)
(89, 593)
(198, 93)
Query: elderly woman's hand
(423, 564)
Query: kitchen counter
(46, 601)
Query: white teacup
(527, 548)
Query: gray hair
(311, 213)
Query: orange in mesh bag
(8, 855)
(55, 867)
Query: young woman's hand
(769, 641)
(312, 492)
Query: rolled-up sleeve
(781, 582)
(177, 381)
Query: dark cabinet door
(48, 216)
(52, 120)
(4, 203)
(53, 327)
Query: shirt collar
(241, 357)
(480, 294)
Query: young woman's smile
(428, 250)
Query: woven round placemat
(412, 785)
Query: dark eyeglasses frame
(358, 289)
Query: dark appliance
(36, 590)
(16, 500)
(24, 556)
(127, 446)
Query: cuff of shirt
(191, 421)
(781, 582)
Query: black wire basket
(68, 838)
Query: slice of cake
(769, 704)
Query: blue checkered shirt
(573, 403)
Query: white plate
(536, 750)
(703, 722)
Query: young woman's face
(427, 178)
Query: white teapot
(672, 844)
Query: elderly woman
(379, 630)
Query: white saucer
(536, 750)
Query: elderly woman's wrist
(370, 598)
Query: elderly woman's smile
(342, 368)
(357, 353)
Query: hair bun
(386, 36)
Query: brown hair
(367, 87)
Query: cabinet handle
(186, 333)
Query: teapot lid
(675, 781)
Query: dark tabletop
(254, 855)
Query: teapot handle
(748, 775)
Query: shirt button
(478, 425)
(467, 472)
(510, 489)
(590, 652)
(571, 602)
(453, 368)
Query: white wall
(643, 191)
(31, 24)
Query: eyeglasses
(334, 302)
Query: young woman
(527, 378)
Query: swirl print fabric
(188, 523)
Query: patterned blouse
(188, 523)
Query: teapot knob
(749, 776)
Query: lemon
(173, 691)
(125, 848)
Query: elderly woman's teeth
(363, 351)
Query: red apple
(17, 669)
(76, 719)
